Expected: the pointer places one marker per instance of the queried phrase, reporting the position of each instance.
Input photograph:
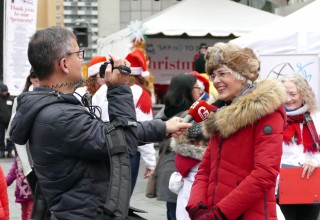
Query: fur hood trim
(267, 97)
(188, 150)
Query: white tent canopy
(194, 18)
(202, 17)
(295, 33)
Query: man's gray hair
(47, 47)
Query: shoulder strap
(164, 149)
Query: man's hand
(115, 77)
(176, 127)
(308, 169)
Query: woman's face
(196, 92)
(294, 97)
(100, 80)
(227, 85)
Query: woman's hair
(179, 93)
(92, 85)
(304, 89)
(27, 84)
(140, 80)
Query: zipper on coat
(217, 173)
(265, 207)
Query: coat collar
(267, 97)
(187, 149)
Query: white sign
(20, 24)
(307, 65)
(171, 56)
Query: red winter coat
(4, 204)
(238, 171)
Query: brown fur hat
(241, 60)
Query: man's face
(74, 60)
(203, 50)
(4, 93)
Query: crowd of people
(226, 167)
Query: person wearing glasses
(237, 175)
(183, 91)
(69, 145)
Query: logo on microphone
(203, 113)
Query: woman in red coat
(237, 175)
(4, 204)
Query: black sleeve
(121, 107)
(151, 131)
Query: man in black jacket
(70, 148)
(5, 113)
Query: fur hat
(94, 65)
(138, 63)
(240, 60)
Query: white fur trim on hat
(94, 69)
(145, 74)
(136, 70)
(139, 71)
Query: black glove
(197, 210)
(215, 214)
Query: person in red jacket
(4, 204)
(237, 175)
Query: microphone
(199, 111)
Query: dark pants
(171, 210)
(3, 128)
(10, 144)
(300, 212)
(135, 164)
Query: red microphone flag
(200, 111)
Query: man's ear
(63, 65)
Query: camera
(122, 68)
(103, 67)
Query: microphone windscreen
(200, 111)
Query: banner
(279, 65)
(171, 56)
(20, 25)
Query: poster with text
(307, 65)
(171, 56)
(20, 25)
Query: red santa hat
(202, 81)
(94, 65)
(138, 63)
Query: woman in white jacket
(301, 139)
(144, 111)
(189, 148)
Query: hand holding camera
(122, 68)
(115, 71)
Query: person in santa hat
(94, 81)
(144, 111)
(142, 100)
(204, 86)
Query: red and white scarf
(309, 136)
